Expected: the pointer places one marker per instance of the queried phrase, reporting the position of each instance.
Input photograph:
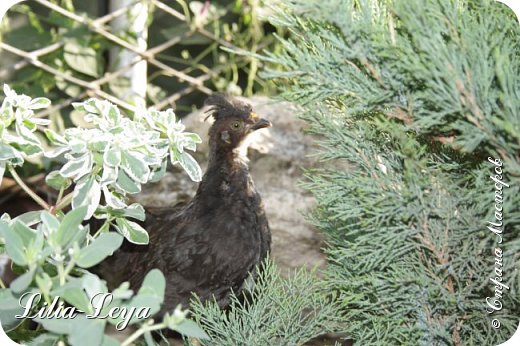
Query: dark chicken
(209, 245)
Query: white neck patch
(241, 151)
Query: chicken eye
(236, 125)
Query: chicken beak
(261, 124)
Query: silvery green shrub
(17, 127)
(116, 156)
(52, 251)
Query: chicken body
(211, 244)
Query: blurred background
(165, 53)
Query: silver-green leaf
(102, 247)
(87, 193)
(132, 231)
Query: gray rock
(277, 158)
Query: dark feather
(209, 245)
(222, 106)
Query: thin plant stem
(27, 189)
(252, 72)
(61, 272)
(65, 201)
(101, 229)
(69, 267)
(141, 331)
(60, 195)
(185, 9)
(45, 295)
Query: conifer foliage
(273, 311)
(411, 98)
